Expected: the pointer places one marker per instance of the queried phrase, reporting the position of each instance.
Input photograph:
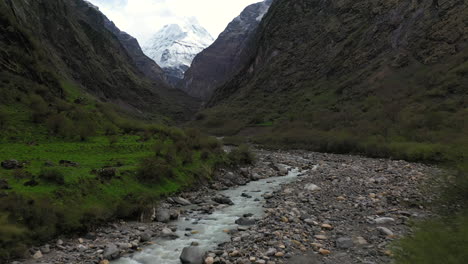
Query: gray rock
(10, 164)
(344, 242)
(384, 220)
(45, 249)
(111, 252)
(244, 221)
(192, 255)
(312, 187)
(385, 231)
(167, 233)
(145, 237)
(223, 200)
(181, 201)
(270, 252)
(163, 215)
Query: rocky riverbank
(341, 208)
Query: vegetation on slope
(381, 78)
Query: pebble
(324, 251)
(385, 231)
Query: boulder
(11, 164)
(192, 255)
(181, 201)
(145, 237)
(244, 221)
(167, 233)
(163, 215)
(111, 252)
(223, 200)
(344, 242)
(281, 169)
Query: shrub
(59, 124)
(52, 175)
(154, 170)
(241, 156)
(425, 245)
(10, 237)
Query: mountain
(225, 57)
(146, 65)
(373, 76)
(56, 52)
(175, 45)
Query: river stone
(385, 231)
(191, 255)
(145, 237)
(111, 252)
(344, 242)
(223, 200)
(244, 221)
(167, 233)
(37, 255)
(384, 220)
(181, 201)
(163, 215)
(312, 187)
(45, 249)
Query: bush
(154, 170)
(241, 156)
(52, 175)
(435, 242)
(10, 237)
(60, 125)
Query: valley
(307, 132)
(290, 204)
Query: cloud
(142, 18)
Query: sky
(143, 18)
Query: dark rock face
(146, 65)
(225, 57)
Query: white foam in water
(210, 227)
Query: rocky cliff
(225, 57)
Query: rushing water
(210, 228)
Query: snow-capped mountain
(226, 56)
(175, 46)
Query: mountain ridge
(175, 45)
(225, 57)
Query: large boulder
(111, 252)
(163, 215)
(192, 255)
(11, 164)
(223, 200)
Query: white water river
(210, 228)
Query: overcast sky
(142, 18)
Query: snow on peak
(264, 7)
(176, 45)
